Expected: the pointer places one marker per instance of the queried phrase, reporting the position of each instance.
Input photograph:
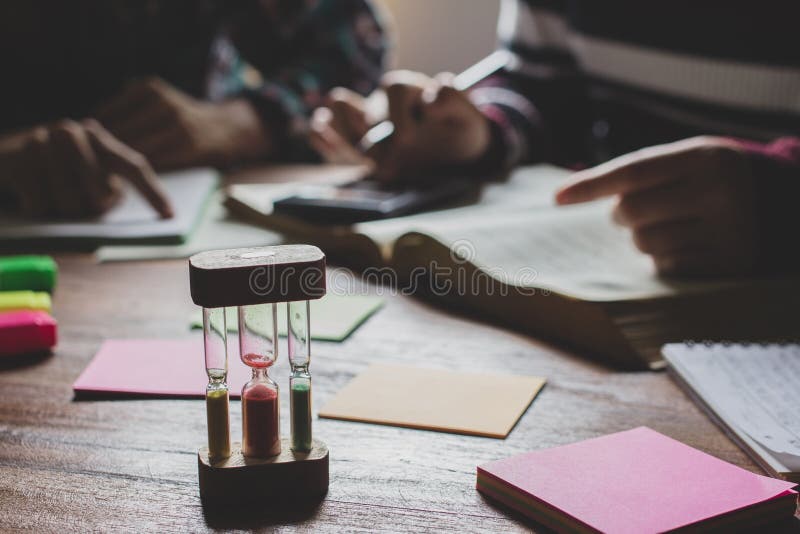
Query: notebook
(214, 230)
(132, 220)
(563, 273)
(752, 392)
(634, 481)
(480, 404)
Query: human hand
(337, 127)
(72, 169)
(434, 125)
(690, 204)
(174, 130)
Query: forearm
(254, 139)
(517, 132)
(338, 44)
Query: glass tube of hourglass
(300, 380)
(258, 349)
(216, 352)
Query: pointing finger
(131, 166)
(637, 171)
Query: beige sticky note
(464, 403)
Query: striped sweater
(591, 80)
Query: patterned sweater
(62, 58)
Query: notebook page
(131, 218)
(755, 388)
(216, 229)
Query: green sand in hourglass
(300, 380)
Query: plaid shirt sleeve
(287, 60)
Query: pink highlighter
(26, 331)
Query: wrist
(247, 138)
(493, 162)
(776, 188)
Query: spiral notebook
(752, 392)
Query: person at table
(699, 103)
(97, 90)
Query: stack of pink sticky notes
(632, 482)
(154, 367)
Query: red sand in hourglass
(257, 361)
(260, 418)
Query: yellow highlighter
(24, 300)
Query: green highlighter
(34, 273)
(24, 300)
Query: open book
(564, 273)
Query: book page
(528, 188)
(573, 250)
(519, 236)
(755, 388)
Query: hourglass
(254, 280)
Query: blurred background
(436, 35)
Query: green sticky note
(333, 317)
(34, 273)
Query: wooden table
(69, 465)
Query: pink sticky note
(633, 481)
(155, 367)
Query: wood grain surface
(131, 465)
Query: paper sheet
(155, 367)
(333, 317)
(465, 403)
(130, 220)
(755, 388)
(215, 230)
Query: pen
(479, 71)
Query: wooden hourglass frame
(250, 278)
